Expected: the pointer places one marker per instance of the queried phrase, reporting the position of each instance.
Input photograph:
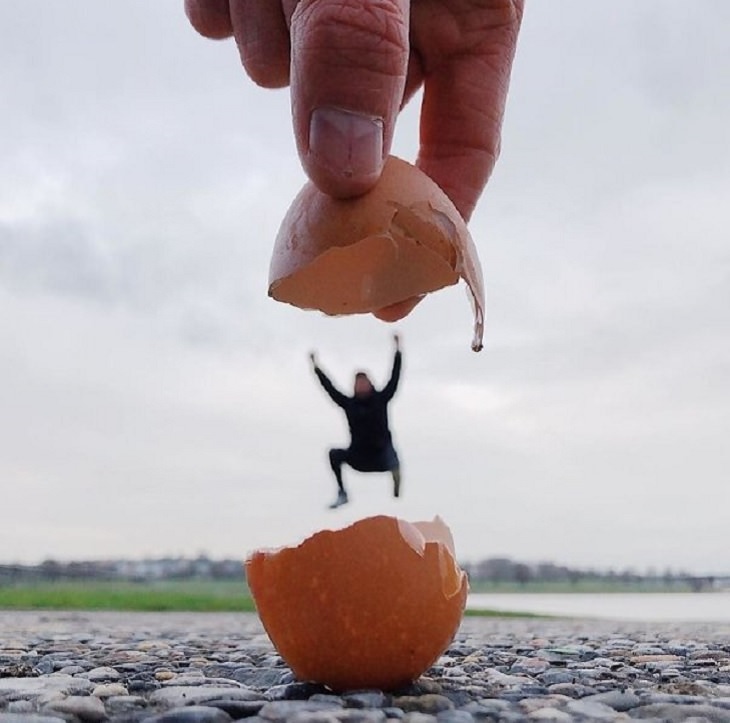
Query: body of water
(651, 607)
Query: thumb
(348, 71)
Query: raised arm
(334, 394)
(390, 388)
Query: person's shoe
(342, 499)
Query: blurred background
(154, 401)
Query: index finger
(464, 96)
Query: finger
(414, 77)
(262, 37)
(397, 311)
(210, 18)
(349, 62)
(463, 105)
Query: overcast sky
(154, 401)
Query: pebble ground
(212, 668)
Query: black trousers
(363, 460)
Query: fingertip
(396, 312)
(210, 18)
(262, 38)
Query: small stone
(150, 645)
(425, 685)
(124, 703)
(190, 677)
(142, 684)
(29, 718)
(550, 714)
(706, 654)
(616, 699)
(416, 717)
(647, 649)
(259, 678)
(607, 663)
(191, 714)
(393, 713)
(454, 716)
(44, 667)
(294, 691)
(553, 677)
(591, 710)
(703, 663)
(465, 694)
(85, 707)
(101, 675)
(280, 710)
(43, 685)
(365, 699)
(670, 673)
(675, 712)
(19, 706)
(568, 651)
(308, 716)
(529, 666)
(532, 704)
(198, 694)
(238, 709)
(107, 690)
(430, 703)
(654, 658)
(163, 675)
(72, 670)
(486, 705)
(572, 690)
(669, 697)
(497, 677)
(359, 715)
(327, 698)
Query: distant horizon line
(651, 571)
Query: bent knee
(337, 456)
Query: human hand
(352, 67)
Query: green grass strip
(168, 596)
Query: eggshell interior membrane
(380, 253)
(372, 605)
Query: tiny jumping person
(371, 444)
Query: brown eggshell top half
(379, 253)
(370, 606)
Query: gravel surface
(168, 667)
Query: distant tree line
(166, 568)
(493, 570)
(496, 570)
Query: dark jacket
(367, 417)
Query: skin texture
(367, 58)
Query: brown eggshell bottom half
(360, 607)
